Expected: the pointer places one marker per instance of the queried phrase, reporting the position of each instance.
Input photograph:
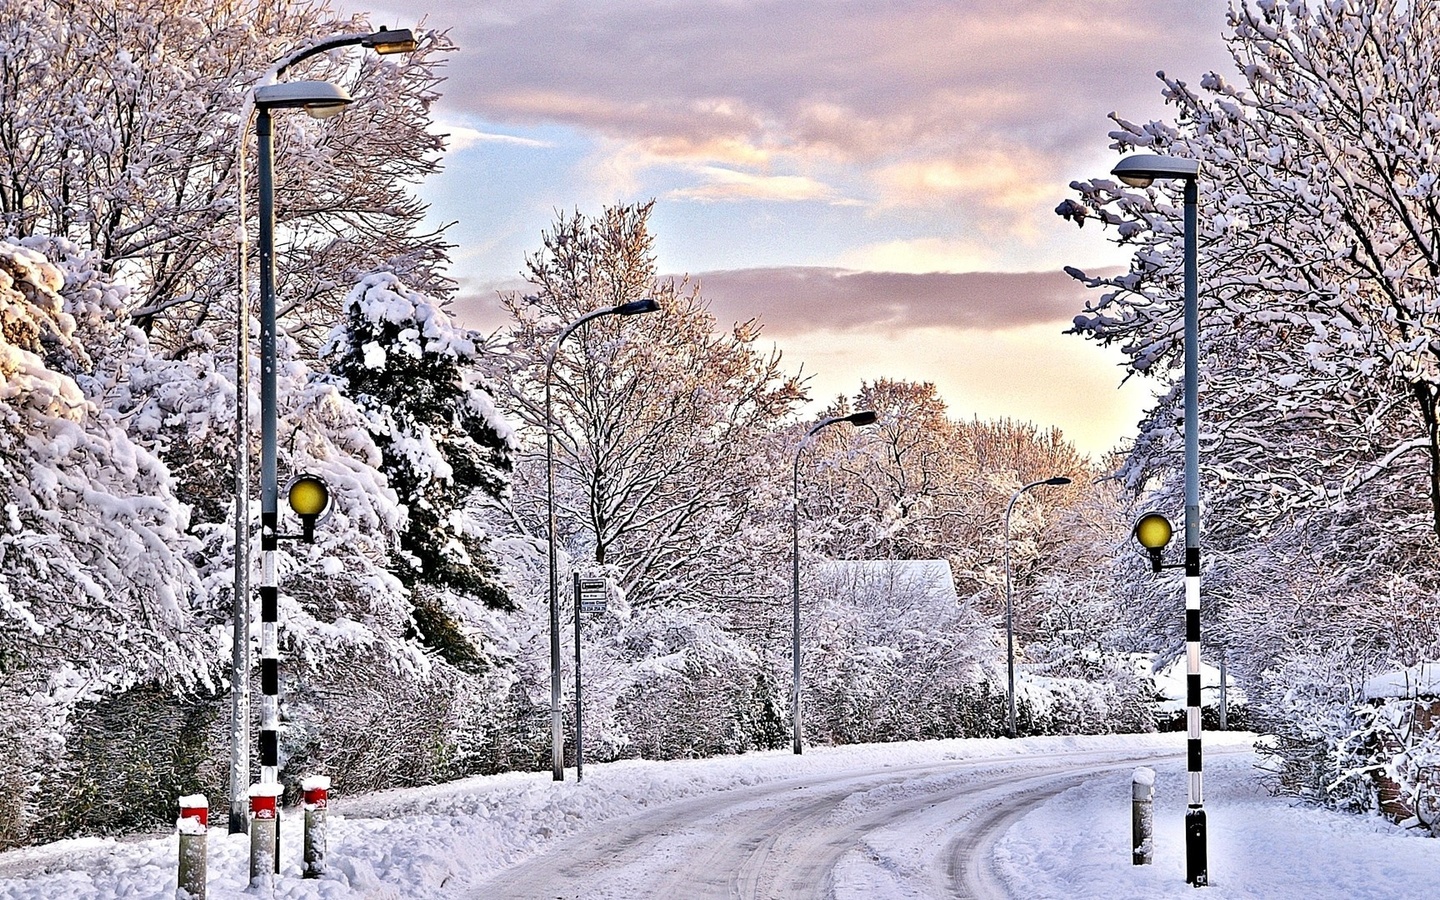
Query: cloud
(992, 342)
(729, 184)
(839, 79)
(923, 255)
(796, 300)
(462, 137)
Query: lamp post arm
(823, 423)
(295, 57)
(566, 332)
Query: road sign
(591, 594)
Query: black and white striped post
(1141, 171)
(310, 95)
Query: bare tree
(659, 419)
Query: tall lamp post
(1010, 608)
(1142, 171)
(320, 99)
(557, 731)
(864, 417)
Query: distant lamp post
(1142, 171)
(864, 417)
(557, 733)
(1010, 607)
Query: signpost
(590, 597)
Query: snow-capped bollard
(192, 827)
(264, 834)
(316, 789)
(1142, 815)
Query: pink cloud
(799, 300)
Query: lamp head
(636, 307)
(1153, 532)
(863, 417)
(309, 497)
(320, 99)
(387, 41)
(1142, 170)
(1057, 480)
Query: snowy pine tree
(445, 449)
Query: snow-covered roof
(1422, 680)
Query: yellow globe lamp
(309, 497)
(1153, 531)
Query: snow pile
(1422, 680)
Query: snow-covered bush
(877, 628)
(681, 687)
(1391, 758)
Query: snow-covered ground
(443, 841)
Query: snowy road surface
(894, 831)
(1036, 818)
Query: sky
(455, 840)
(874, 181)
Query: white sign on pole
(591, 594)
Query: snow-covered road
(844, 835)
(1040, 818)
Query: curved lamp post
(262, 98)
(1142, 171)
(1010, 608)
(864, 417)
(557, 732)
(320, 100)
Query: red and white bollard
(316, 789)
(192, 827)
(264, 834)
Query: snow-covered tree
(96, 592)
(122, 131)
(445, 449)
(920, 485)
(1319, 431)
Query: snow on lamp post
(1010, 608)
(864, 417)
(267, 95)
(1142, 171)
(557, 732)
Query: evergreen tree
(444, 448)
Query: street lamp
(864, 417)
(1010, 608)
(320, 99)
(1142, 171)
(324, 98)
(557, 733)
